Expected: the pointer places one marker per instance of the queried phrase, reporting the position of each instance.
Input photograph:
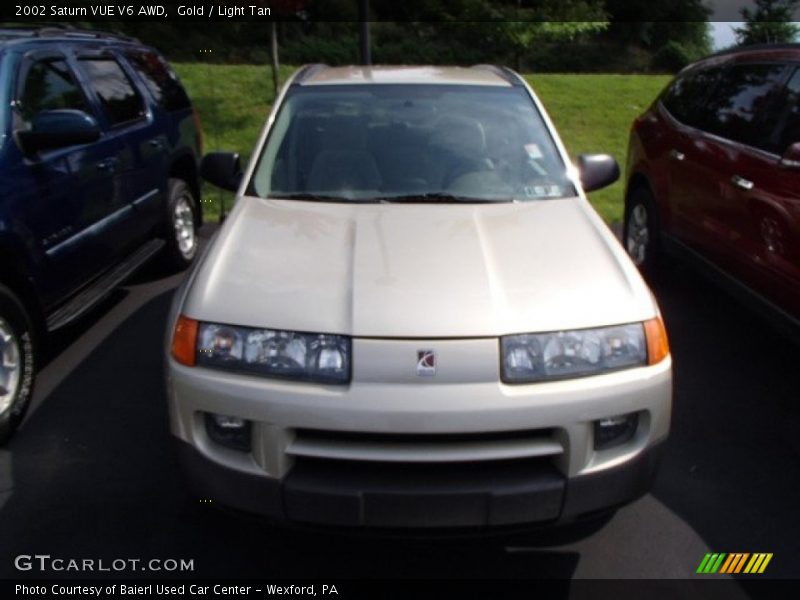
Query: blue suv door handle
(156, 143)
(109, 164)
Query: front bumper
(392, 450)
(372, 496)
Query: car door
(149, 143)
(124, 113)
(693, 159)
(688, 155)
(763, 206)
(735, 119)
(62, 195)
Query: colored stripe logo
(736, 562)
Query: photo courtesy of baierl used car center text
(369, 299)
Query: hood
(417, 270)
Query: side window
(160, 80)
(684, 98)
(120, 100)
(737, 107)
(786, 116)
(49, 85)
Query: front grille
(424, 447)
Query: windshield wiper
(316, 197)
(436, 197)
(426, 198)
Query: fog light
(614, 431)
(231, 432)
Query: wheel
(16, 363)
(180, 227)
(640, 233)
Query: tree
(282, 8)
(653, 25)
(273, 55)
(771, 22)
(498, 30)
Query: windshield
(415, 143)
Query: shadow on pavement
(732, 467)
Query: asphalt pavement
(92, 473)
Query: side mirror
(57, 129)
(791, 158)
(222, 169)
(597, 171)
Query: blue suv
(99, 153)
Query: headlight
(566, 354)
(286, 354)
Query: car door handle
(108, 164)
(742, 183)
(156, 143)
(676, 155)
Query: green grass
(593, 113)
(233, 102)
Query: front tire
(17, 361)
(640, 234)
(181, 225)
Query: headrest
(461, 136)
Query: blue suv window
(120, 100)
(160, 80)
(49, 85)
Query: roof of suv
(758, 49)
(478, 75)
(18, 36)
(755, 53)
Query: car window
(160, 80)
(684, 99)
(49, 85)
(785, 114)
(737, 107)
(119, 99)
(391, 141)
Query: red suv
(713, 172)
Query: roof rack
(60, 30)
(502, 72)
(307, 71)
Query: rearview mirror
(57, 129)
(597, 171)
(222, 169)
(791, 158)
